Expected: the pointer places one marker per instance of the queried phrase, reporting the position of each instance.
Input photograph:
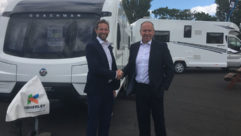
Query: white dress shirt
(142, 63)
(105, 45)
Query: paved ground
(197, 104)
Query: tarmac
(198, 103)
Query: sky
(207, 6)
(3, 3)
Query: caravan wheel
(179, 67)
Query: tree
(165, 13)
(185, 14)
(222, 9)
(136, 9)
(204, 16)
(236, 16)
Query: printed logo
(43, 72)
(33, 99)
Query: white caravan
(196, 43)
(48, 38)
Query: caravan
(48, 38)
(196, 43)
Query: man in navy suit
(101, 81)
(150, 71)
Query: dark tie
(112, 56)
(111, 48)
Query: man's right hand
(119, 74)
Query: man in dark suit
(150, 71)
(101, 81)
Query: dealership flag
(30, 101)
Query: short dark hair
(102, 21)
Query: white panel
(7, 72)
(79, 73)
(6, 87)
(80, 88)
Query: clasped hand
(119, 74)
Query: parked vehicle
(196, 43)
(48, 38)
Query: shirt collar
(148, 43)
(102, 42)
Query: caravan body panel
(195, 43)
(47, 38)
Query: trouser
(99, 114)
(149, 102)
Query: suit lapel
(135, 51)
(152, 59)
(102, 52)
(152, 50)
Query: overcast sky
(210, 9)
(207, 6)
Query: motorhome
(48, 38)
(196, 43)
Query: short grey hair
(148, 22)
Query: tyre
(179, 67)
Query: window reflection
(234, 43)
(49, 35)
(215, 38)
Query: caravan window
(52, 35)
(162, 36)
(215, 38)
(234, 43)
(187, 31)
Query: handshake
(119, 74)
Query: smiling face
(102, 31)
(147, 31)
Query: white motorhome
(48, 38)
(196, 43)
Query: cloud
(210, 9)
(3, 4)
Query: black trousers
(99, 114)
(149, 102)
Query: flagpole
(36, 125)
(232, 9)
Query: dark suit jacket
(161, 69)
(99, 74)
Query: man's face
(147, 32)
(102, 31)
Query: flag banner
(232, 3)
(30, 101)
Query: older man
(150, 71)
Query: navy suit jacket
(161, 69)
(99, 75)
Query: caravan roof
(37, 6)
(226, 25)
